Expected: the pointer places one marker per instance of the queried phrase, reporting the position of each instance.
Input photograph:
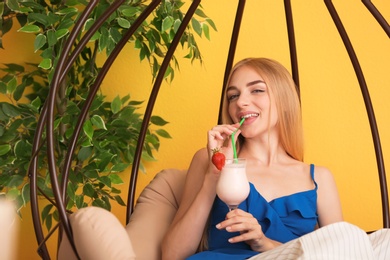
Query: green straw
(233, 142)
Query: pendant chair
(68, 57)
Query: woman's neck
(267, 152)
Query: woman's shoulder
(199, 161)
(321, 171)
(323, 175)
(201, 154)
(318, 171)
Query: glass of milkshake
(233, 185)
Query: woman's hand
(250, 230)
(217, 136)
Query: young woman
(288, 198)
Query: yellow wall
(336, 127)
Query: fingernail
(218, 226)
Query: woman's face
(248, 96)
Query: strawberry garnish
(218, 158)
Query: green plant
(110, 132)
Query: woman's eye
(232, 97)
(258, 91)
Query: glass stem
(232, 207)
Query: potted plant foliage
(110, 132)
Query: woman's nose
(243, 100)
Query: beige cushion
(9, 226)
(98, 234)
(153, 213)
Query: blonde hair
(283, 92)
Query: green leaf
(119, 200)
(167, 23)
(51, 38)
(84, 153)
(116, 105)
(98, 122)
(200, 13)
(157, 120)
(176, 25)
(13, 194)
(21, 149)
(15, 67)
(119, 167)
(147, 157)
(65, 24)
(61, 33)
(15, 181)
(116, 179)
(18, 93)
(88, 129)
(99, 203)
(68, 10)
(103, 39)
(39, 42)
(49, 221)
(70, 204)
(115, 190)
(95, 37)
(211, 23)
(123, 23)
(105, 180)
(3, 87)
(47, 53)
(26, 193)
(36, 103)
(115, 34)
(45, 64)
(73, 2)
(40, 18)
(129, 11)
(71, 191)
(138, 43)
(46, 210)
(11, 85)
(79, 201)
(196, 26)
(1, 128)
(10, 110)
(163, 133)
(88, 24)
(56, 215)
(4, 149)
(88, 190)
(93, 174)
(206, 31)
(30, 28)
(13, 5)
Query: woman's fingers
(217, 137)
(243, 222)
(234, 217)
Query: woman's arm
(187, 227)
(328, 201)
(186, 230)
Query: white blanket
(336, 241)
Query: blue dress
(282, 219)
